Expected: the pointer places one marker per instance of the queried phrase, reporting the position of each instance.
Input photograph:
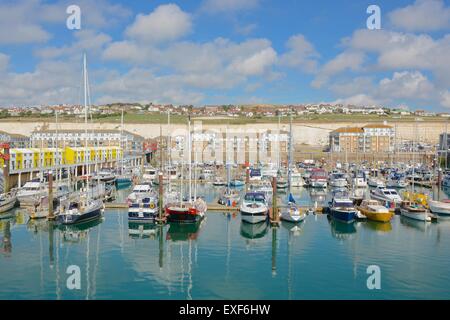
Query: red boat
(186, 212)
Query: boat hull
(377, 216)
(420, 216)
(8, 205)
(85, 217)
(254, 218)
(343, 216)
(439, 208)
(182, 215)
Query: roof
(375, 125)
(349, 130)
(82, 131)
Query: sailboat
(85, 208)
(291, 212)
(187, 211)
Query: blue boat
(236, 183)
(342, 209)
(123, 182)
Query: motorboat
(219, 181)
(414, 211)
(297, 179)
(255, 174)
(375, 182)
(254, 207)
(83, 210)
(359, 181)
(106, 176)
(150, 174)
(373, 210)
(8, 201)
(342, 208)
(440, 207)
(318, 178)
(337, 180)
(142, 204)
(386, 195)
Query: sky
(227, 52)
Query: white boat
(219, 181)
(337, 180)
(318, 178)
(385, 194)
(255, 174)
(414, 211)
(150, 174)
(446, 181)
(396, 183)
(292, 213)
(7, 201)
(207, 174)
(359, 182)
(254, 207)
(439, 207)
(297, 180)
(375, 182)
(32, 192)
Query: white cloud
(257, 64)
(220, 6)
(445, 99)
(407, 85)
(86, 40)
(4, 62)
(301, 54)
(348, 60)
(165, 23)
(423, 15)
(358, 100)
(24, 21)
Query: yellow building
(35, 158)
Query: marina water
(224, 258)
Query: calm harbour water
(223, 258)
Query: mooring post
(6, 177)
(161, 193)
(439, 184)
(50, 196)
(274, 199)
(274, 252)
(247, 178)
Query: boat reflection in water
(377, 226)
(253, 231)
(184, 231)
(341, 230)
(5, 228)
(415, 224)
(293, 228)
(77, 232)
(138, 230)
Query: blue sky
(227, 51)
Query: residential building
(370, 138)
(15, 140)
(76, 138)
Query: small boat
(106, 176)
(85, 209)
(439, 207)
(342, 208)
(373, 210)
(318, 178)
(254, 207)
(236, 183)
(337, 180)
(395, 182)
(282, 183)
(150, 174)
(375, 182)
(218, 181)
(7, 201)
(297, 180)
(292, 213)
(142, 204)
(32, 192)
(183, 212)
(414, 211)
(359, 181)
(386, 195)
(255, 175)
(206, 174)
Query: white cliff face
(311, 133)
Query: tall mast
(121, 142)
(190, 158)
(85, 121)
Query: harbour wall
(311, 133)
